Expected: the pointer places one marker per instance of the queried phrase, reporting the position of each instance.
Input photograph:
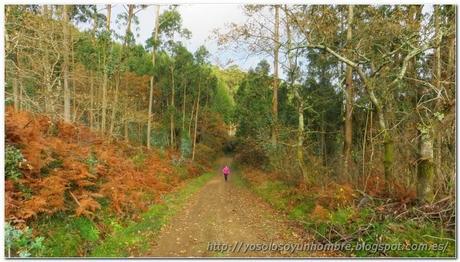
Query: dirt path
(224, 213)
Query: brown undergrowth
(337, 212)
(70, 168)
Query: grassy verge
(109, 235)
(349, 224)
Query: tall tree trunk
(91, 101)
(323, 141)
(450, 89)
(388, 143)
(128, 26)
(275, 76)
(15, 94)
(115, 104)
(191, 118)
(300, 102)
(21, 90)
(155, 39)
(65, 65)
(196, 120)
(74, 85)
(388, 160)
(15, 84)
(126, 130)
(363, 170)
(121, 62)
(425, 167)
(149, 120)
(300, 136)
(126, 122)
(106, 77)
(369, 85)
(183, 105)
(172, 128)
(349, 97)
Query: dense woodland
(350, 108)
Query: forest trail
(225, 213)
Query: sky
(201, 20)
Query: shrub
(249, 152)
(92, 162)
(185, 146)
(139, 159)
(159, 138)
(21, 242)
(204, 154)
(13, 162)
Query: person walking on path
(226, 171)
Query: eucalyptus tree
(127, 40)
(65, 66)
(154, 47)
(349, 97)
(167, 35)
(107, 68)
(201, 56)
(260, 34)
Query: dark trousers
(225, 175)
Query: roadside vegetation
(346, 123)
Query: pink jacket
(226, 170)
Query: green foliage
(253, 104)
(324, 103)
(22, 243)
(341, 216)
(13, 162)
(273, 192)
(25, 190)
(185, 145)
(201, 55)
(92, 162)
(68, 236)
(300, 212)
(86, 51)
(232, 77)
(287, 113)
(222, 102)
(139, 159)
(87, 229)
(139, 61)
(160, 138)
(55, 163)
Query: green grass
(300, 211)
(238, 180)
(274, 192)
(67, 236)
(138, 236)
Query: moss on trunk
(388, 160)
